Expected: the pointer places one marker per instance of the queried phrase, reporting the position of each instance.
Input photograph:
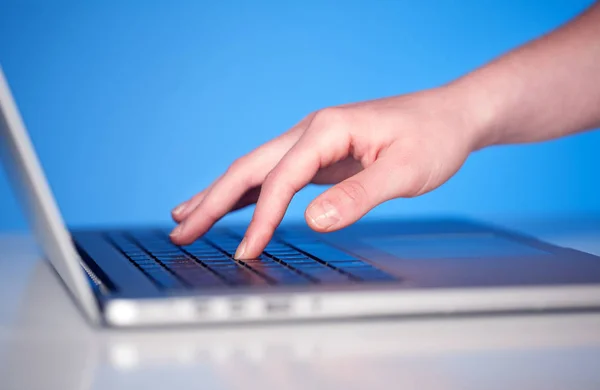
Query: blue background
(135, 106)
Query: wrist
(481, 113)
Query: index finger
(247, 173)
(295, 170)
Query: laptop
(137, 278)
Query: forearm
(545, 89)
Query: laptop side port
(237, 307)
(279, 306)
(201, 307)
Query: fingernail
(240, 249)
(177, 231)
(179, 209)
(323, 214)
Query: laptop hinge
(98, 280)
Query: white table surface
(46, 344)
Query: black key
(209, 256)
(332, 277)
(222, 267)
(217, 260)
(165, 279)
(181, 260)
(279, 273)
(264, 263)
(259, 260)
(137, 258)
(198, 245)
(301, 262)
(286, 253)
(184, 266)
(147, 263)
(311, 266)
(167, 254)
(150, 269)
(134, 252)
(214, 260)
(211, 251)
(239, 278)
(204, 250)
(171, 255)
(316, 270)
(292, 278)
(282, 252)
(199, 278)
(268, 265)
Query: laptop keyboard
(209, 262)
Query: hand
(407, 145)
(377, 150)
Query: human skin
(405, 146)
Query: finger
(184, 209)
(338, 171)
(348, 201)
(247, 199)
(295, 171)
(246, 173)
(222, 197)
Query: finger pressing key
(295, 170)
(232, 190)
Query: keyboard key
(147, 264)
(241, 277)
(209, 262)
(178, 262)
(333, 277)
(164, 278)
(184, 266)
(199, 277)
(301, 262)
(172, 256)
(279, 273)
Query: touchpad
(451, 246)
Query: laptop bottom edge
(282, 307)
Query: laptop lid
(27, 178)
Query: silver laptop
(137, 277)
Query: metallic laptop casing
(442, 266)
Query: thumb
(348, 201)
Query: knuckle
(303, 125)
(210, 217)
(328, 117)
(276, 185)
(281, 176)
(353, 190)
(309, 118)
(270, 184)
(241, 171)
(238, 165)
(270, 180)
(211, 213)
